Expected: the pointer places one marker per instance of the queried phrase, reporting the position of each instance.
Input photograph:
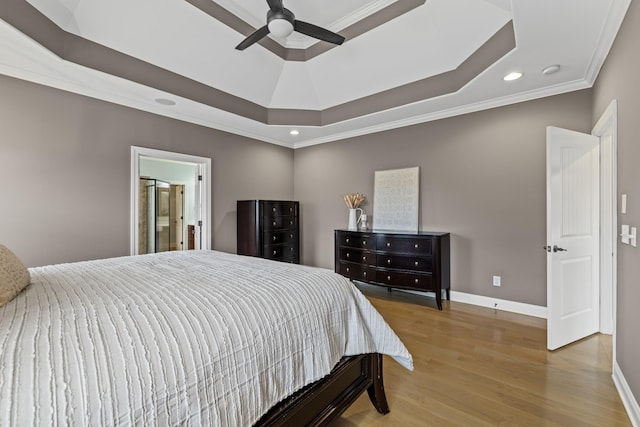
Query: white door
(573, 206)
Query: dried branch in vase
(354, 200)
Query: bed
(189, 338)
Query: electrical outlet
(497, 281)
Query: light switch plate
(623, 204)
(624, 235)
(633, 236)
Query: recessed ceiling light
(165, 101)
(512, 76)
(551, 69)
(294, 132)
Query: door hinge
(199, 223)
(199, 177)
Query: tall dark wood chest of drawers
(417, 261)
(269, 229)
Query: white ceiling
(431, 39)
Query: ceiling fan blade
(254, 37)
(276, 5)
(317, 32)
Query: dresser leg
(439, 300)
(388, 290)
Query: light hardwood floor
(481, 367)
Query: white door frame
(205, 166)
(605, 127)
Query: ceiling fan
(282, 22)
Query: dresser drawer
(401, 279)
(280, 223)
(411, 245)
(357, 271)
(357, 240)
(272, 209)
(405, 262)
(281, 251)
(357, 255)
(279, 237)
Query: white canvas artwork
(396, 199)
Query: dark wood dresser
(417, 261)
(269, 229)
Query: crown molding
(452, 112)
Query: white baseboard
(495, 303)
(628, 400)
(500, 304)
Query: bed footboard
(323, 401)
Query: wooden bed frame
(321, 402)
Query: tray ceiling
(403, 62)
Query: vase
(353, 218)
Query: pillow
(14, 276)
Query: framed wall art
(396, 199)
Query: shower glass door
(147, 216)
(163, 215)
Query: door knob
(558, 249)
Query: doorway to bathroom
(170, 201)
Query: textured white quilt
(196, 338)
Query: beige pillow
(14, 276)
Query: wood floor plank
(480, 367)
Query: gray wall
(618, 79)
(65, 172)
(482, 178)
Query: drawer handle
(291, 249)
(388, 261)
(416, 263)
(274, 223)
(364, 274)
(415, 281)
(291, 223)
(388, 244)
(348, 269)
(275, 252)
(291, 236)
(290, 209)
(364, 243)
(364, 258)
(348, 255)
(416, 246)
(346, 240)
(389, 278)
(274, 238)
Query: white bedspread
(196, 338)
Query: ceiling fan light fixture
(281, 22)
(280, 27)
(294, 132)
